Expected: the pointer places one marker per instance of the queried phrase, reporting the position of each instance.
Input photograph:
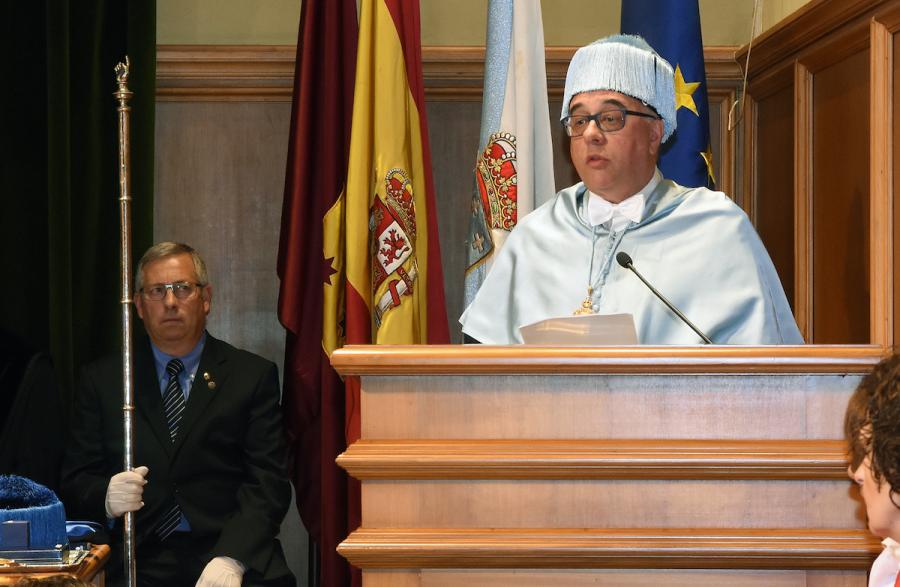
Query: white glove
(222, 571)
(125, 491)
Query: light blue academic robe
(695, 245)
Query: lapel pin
(206, 376)
(209, 380)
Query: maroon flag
(313, 399)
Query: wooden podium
(533, 466)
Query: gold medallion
(587, 306)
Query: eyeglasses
(182, 290)
(608, 121)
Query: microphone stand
(625, 261)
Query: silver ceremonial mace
(123, 95)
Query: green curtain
(59, 179)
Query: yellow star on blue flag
(684, 92)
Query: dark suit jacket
(226, 468)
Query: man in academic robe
(210, 489)
(694, 245)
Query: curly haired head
(872, 423)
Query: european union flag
(672, 27)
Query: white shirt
(886, 566)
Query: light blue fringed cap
(628, 65)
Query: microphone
(625, 261)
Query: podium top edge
(648, 360)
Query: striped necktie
(173, 398)
(173, 403)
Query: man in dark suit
(211, 489)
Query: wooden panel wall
(840, 201)
(222, 143)
(833, 58)
(773, 206)
(219, 184)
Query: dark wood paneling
(774, 203)
(840, 204)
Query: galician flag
(514, 164)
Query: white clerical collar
(600, 211)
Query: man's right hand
(124, 492)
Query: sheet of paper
(586, 330)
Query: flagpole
(123, 95)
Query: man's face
(615, 165)
(175, 326)
(883, 515)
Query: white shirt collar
(631, 209)
(885, 568)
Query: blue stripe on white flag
(496, 62)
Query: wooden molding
(255, 73)
(749, 120)
(801, 29)
(688, 548)
(725, 182)
(596, 459)
(764, 85)
(836, 47)
(889, 17)
(795, 35)
(803, 202)
(266, 72)
(881, 214)
(532, 360)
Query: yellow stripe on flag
(333, 307)
(386, 201)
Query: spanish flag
(359, 260)
(383, 227)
